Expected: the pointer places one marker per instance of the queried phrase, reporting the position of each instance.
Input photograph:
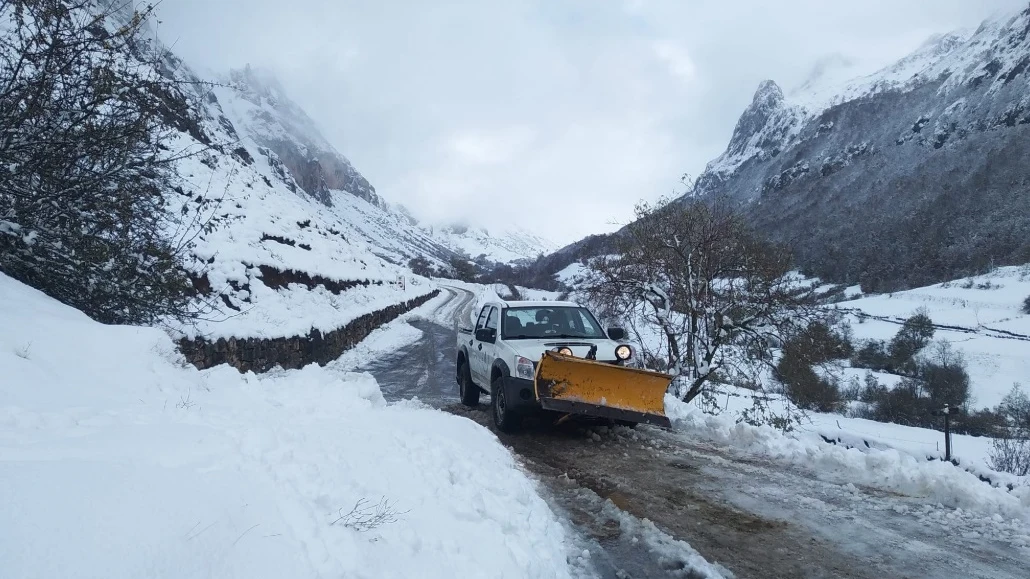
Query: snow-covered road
(639, 502)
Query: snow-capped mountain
(907, 176)
(513, 245)
(260, 112)
(258, 105)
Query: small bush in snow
(897, 357)
(1026, 305)
(1010, 449)
(421, 266)
(1010, 453)
(853, 391)
(913, 336)
(365, 517)
(1016, 408)
(940, 379)
(872, 355)
(816, 345)
(985, 422)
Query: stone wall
(261, 355)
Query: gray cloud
(556, 116)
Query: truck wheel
(504, 418)
(468, 391)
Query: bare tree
(1010, 448)
(720, 297)
(85, 164)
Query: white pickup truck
(499, 356)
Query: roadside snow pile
(881, 468)
(119, 460)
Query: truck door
(483, 350)
(473, 353)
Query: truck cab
(499, 355)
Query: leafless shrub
(365, 516)
(86, 113)
(1011, 454)
(186, 401)
(23, 351)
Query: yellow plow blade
(580, 386)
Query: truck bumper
(518, 393)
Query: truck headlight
(623, 352)
(524, 368)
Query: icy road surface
(642, 501)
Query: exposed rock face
(276, 122)
(910, 176)
(261, 355)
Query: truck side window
(491, 320)
(482, 317)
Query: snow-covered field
(985, 323)
(117, 459)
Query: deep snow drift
(119, 460)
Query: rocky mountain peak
(768, 95)
(267, 115)
(764, 124)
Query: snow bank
(119, 460)
(882, 468)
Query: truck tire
(468, 391)
(505, 419)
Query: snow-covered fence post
(946, 412)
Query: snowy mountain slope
(266, 241)
(505, 247)
(119, 460)
(905, 177)
(271, 258)
(258, 108)
(258, 105)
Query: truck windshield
(549, 322)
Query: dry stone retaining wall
(262, 354)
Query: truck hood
(534, 349)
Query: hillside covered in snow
(911, 175)
(295, 238)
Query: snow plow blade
(579, 386)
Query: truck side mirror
(486, 334)
(617, 334)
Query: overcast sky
(553, 115)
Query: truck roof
(538, 303)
